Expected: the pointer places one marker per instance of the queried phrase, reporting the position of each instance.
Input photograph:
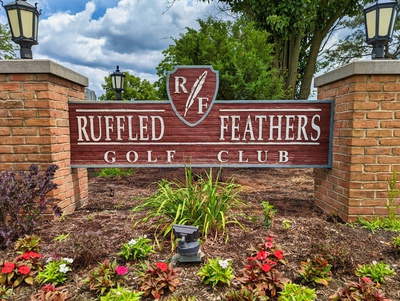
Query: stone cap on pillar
(373, 67)
(42, 66)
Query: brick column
(34, 125)
(366, 138)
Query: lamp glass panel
(122, 82)
(371, 24)
(36, 26)
(27, 23)
(385, 15)
(113, 82)
(393, 19)
(13, 17)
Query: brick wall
(34, 126)
(366, 138)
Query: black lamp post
(117, 81)
(379, 18)
(23, 19)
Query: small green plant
(158, 279)
(269, 213)
(61, 237)
(50, 293)
(216, 271)
(243, 295)
(22, 269)
(105, 276)
(376, 271)
(27, 243)
(286, 224)
(113, 172)
(316, 270)
(364, 289)
(181, 298)
(299, 292)
(392, 194)
(5, 292)
(205, 203)
(396, 244)
(121, 294)
(55, 271)
(137, 248)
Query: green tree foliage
(298, 29)
(134, 89)
(7, 47)
(240, 53)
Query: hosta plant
(105, 276)
(216, 271)
(50, 293)
(364, 289)
(158, 279)
(55, 271)
(22, 269)
(292, 291)
(376, 271)
(316, 270)
(122, 294)
(27, 243)
(137, 248)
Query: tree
(7, 47)
(134, 89)
(241, 54)
(298, 29)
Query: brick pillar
(34, 125)
(366, 138)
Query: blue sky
(91, 37)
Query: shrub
(205, 203)
(22, 200)
(376, 271)
(364, 289)
(302, 293)
(215, 271)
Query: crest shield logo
(192, 91)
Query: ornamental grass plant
(204, 202)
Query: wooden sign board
(194, 129)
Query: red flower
(9, 265)
(162, 266)
(250, 258)
(121, 270)
(278, 254)
(266, 267)
(6, 270)
(262, 255)
(270, 238)
(248, 266)
(24, 269)
(31, 254)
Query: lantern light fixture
(379, 19)
(23, 19)
(117, 82)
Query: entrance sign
(194, 129)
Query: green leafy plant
(27, 243)
(55, 271)
(396, 244)
(23, 197)
(299, 292)
(137, 248)
(316, 270)
(105, 276)
(121, 294)
(50, 293)
(158, 279)
(364, 289)
(216, 271)
(5, 292)
(376, 271)
(393, 193)
(260, 275)
(205, 203)
(113, 172)
(286, 224)
(269, 213)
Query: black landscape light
(23, 19)
(117, 82)
(379, 19)
(188, 246)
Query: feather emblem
(198, 84)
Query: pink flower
(121, 270)
(24, 270)
(270, 238)
(266, 267)
(269, 245)
(162, 266)
(278, 254)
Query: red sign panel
(193, 129)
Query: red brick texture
(366, 142)
(34, 129)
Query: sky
(92, 37)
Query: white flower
(63, 268)
(69, 260)
(223, 263)
(374, 262)
(132, 242)
(49, 259)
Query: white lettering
(315, 127)
(283, 156)
(181, 85)
(107, 157)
